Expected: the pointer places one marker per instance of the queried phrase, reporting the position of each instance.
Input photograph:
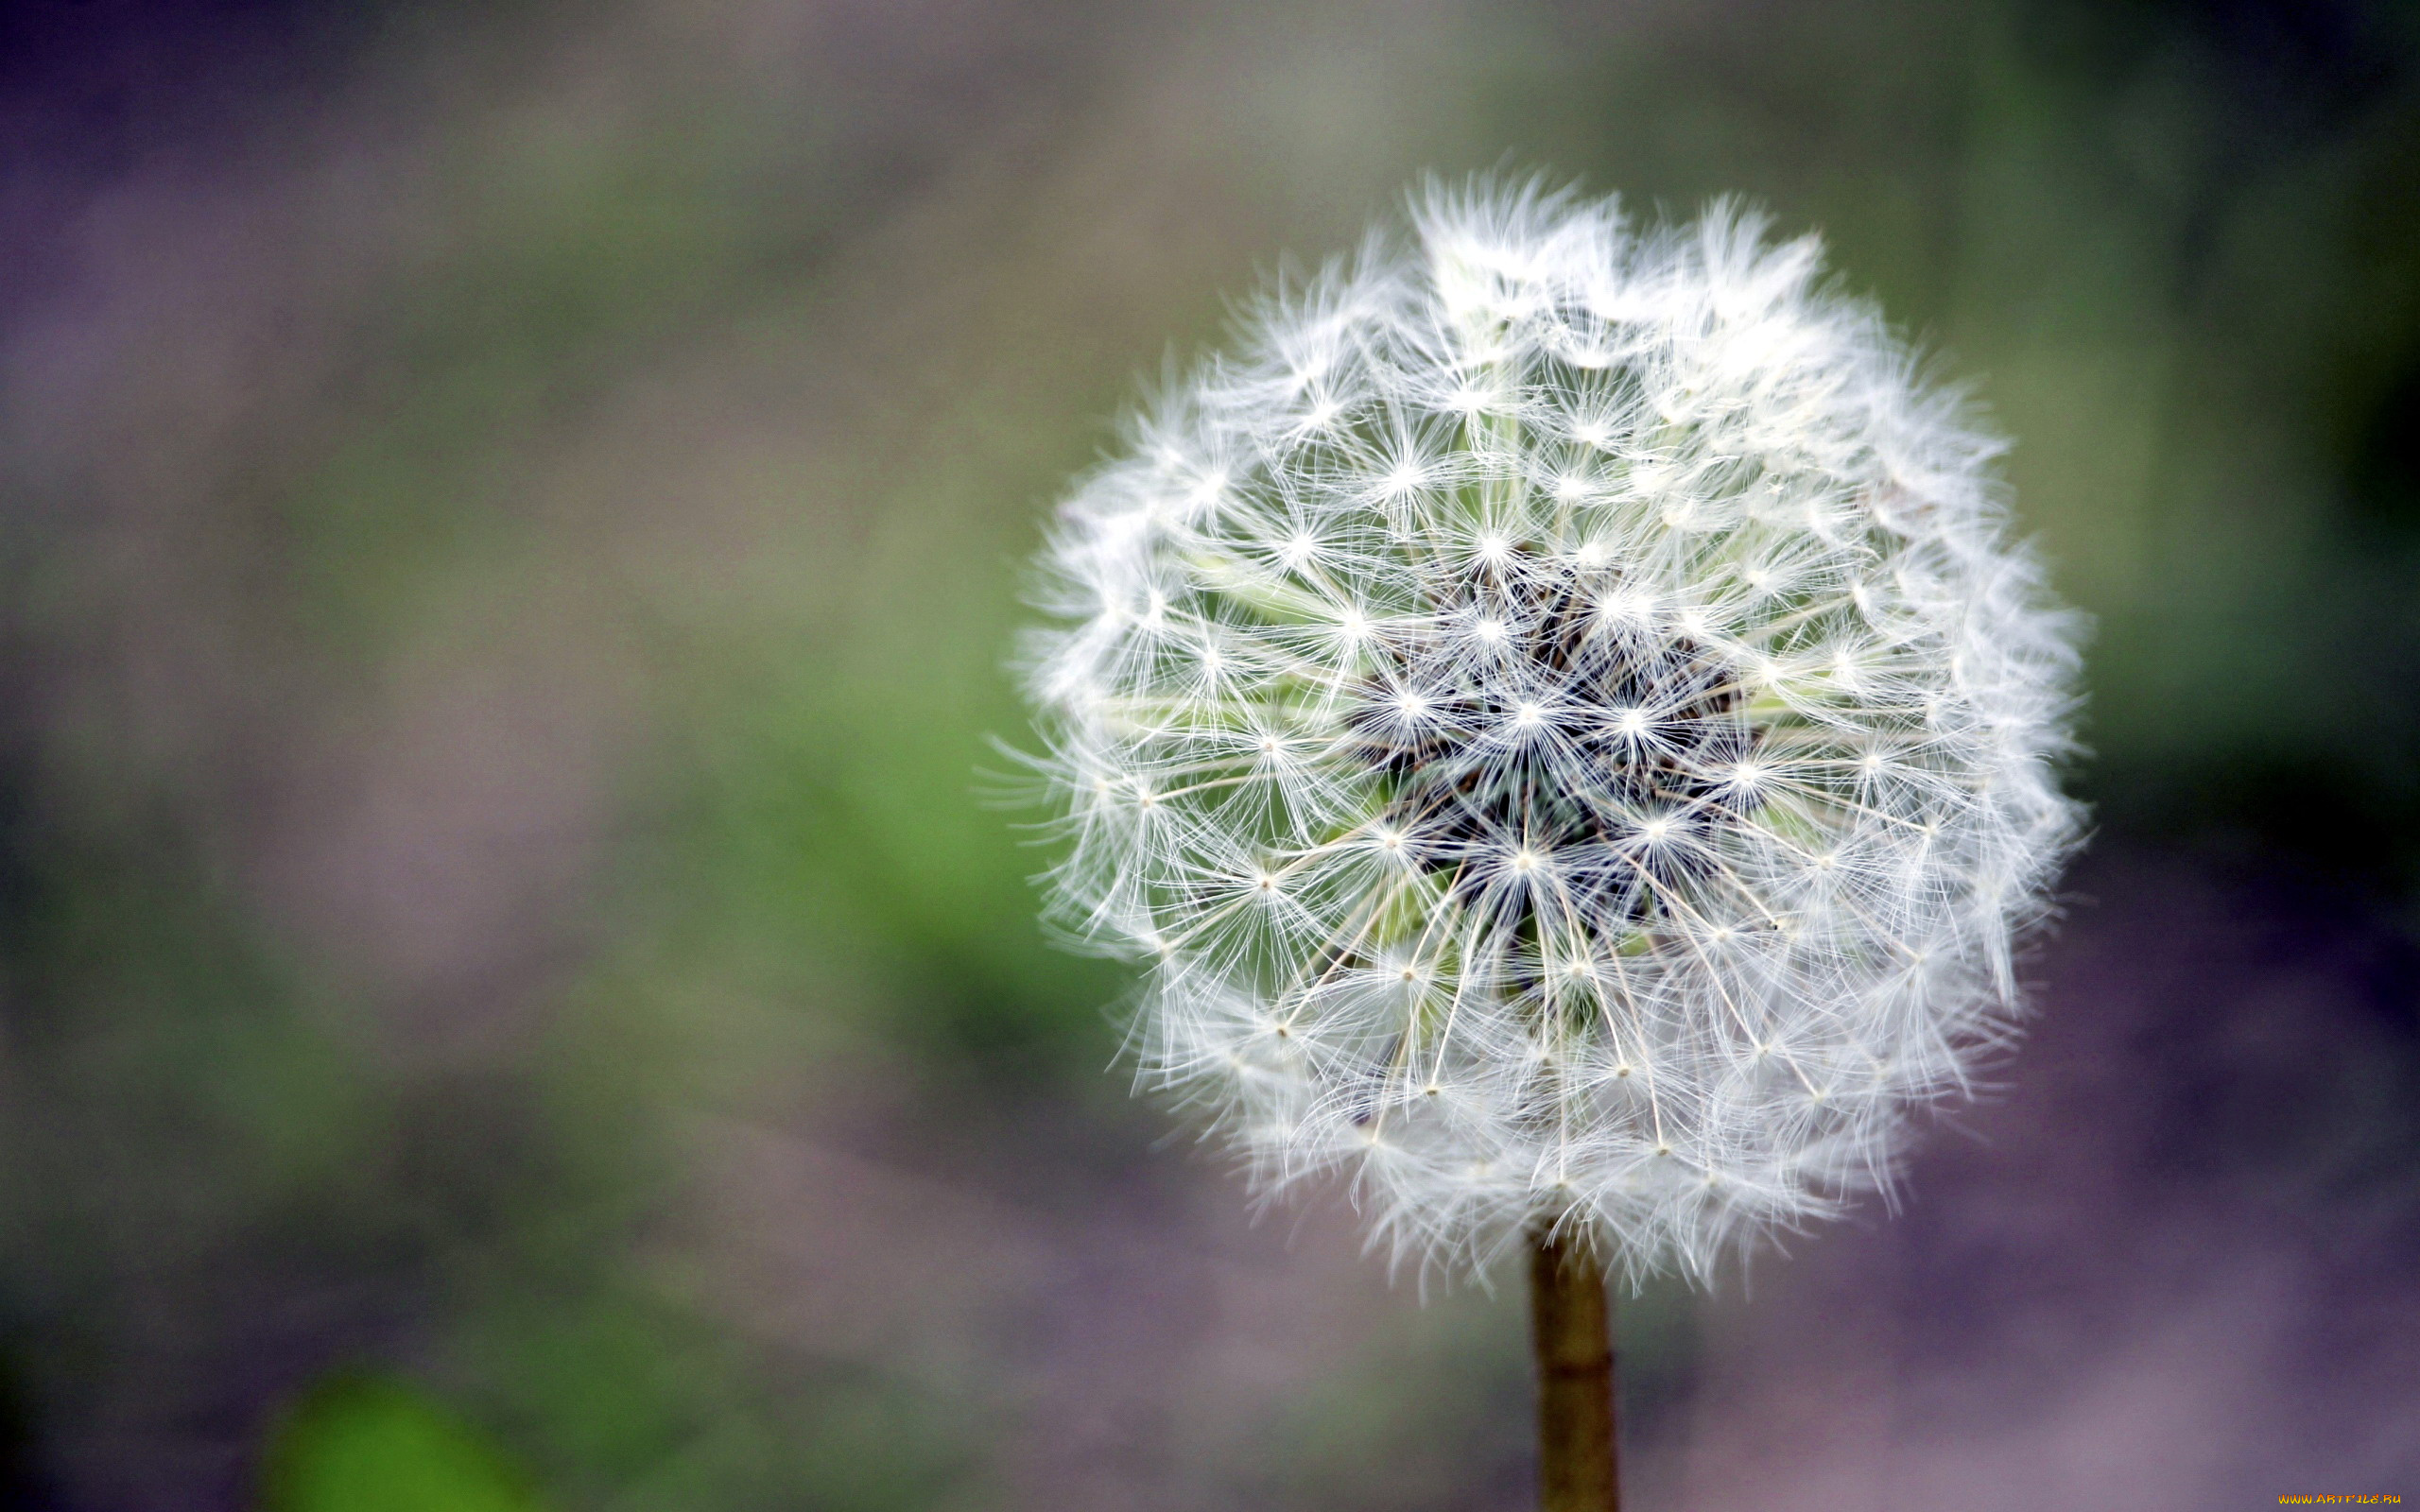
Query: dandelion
(1558, 719)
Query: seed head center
(1436, 722)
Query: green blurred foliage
(627, 1403)
(361, 1444)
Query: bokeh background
(510, 519)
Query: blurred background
(509, 520)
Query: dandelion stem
(1573, 1340)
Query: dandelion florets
(1559, 719)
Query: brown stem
(1573, 1341)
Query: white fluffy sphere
(1560, 716)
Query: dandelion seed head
(1559, 713)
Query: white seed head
(1581, 757)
